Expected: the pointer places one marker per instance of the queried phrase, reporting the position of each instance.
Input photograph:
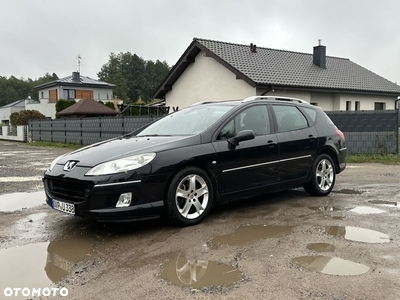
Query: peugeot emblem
(69, 165)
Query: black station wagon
(191, 159)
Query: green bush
(63, 104)
(23, 117)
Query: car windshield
(192, 120)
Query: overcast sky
(39, 36)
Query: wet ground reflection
(199, 273)
(331, 265)
(358, 234)
(17, 201)
(38, 265)
(365, 210)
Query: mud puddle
(321, 247)
(17, 201)
(358, 234)
(31, 227)
(38, 265)
(382, 202)
(199, 273)
(245, 235)
(366, 210)
(331, 265)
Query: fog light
(124, 200)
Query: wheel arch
(332, 153)
(197, 164)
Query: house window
(357, 105)
(41, 95)
(108, 97)
(380, 105)
(348, 105)
(68, 94)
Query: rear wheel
(189, 197)
(323, 176)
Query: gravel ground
(248, 249)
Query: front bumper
(97, 201)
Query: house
(214, 70)
(74, 87)
(7, 110)
(87, 108)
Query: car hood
(126, 146)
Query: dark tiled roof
(88, 107)
(279, 68)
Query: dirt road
(286, 245)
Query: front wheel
(189, 197)
(323, 176)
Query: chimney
(76, 77)
(319, 55)
(253, 48)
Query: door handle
(271, 144)
(311, 137)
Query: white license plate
(64, 207)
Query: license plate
(64, 207)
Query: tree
(13, 89)
(133, 76)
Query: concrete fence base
(14, 133)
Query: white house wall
(46, 108)
(6, 112)
(207, 80)
(367, 102)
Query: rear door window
(289, 118)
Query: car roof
(253, 99)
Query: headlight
(121, 165)
(53, 163)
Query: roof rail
(274, 98)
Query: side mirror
(241, 136)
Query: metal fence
(375, 131)
(85, 131)
(365, 131)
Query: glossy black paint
(239, 167)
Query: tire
(189, 197)
(323, 176)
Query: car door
(253, 163)
(297, 141)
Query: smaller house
(74, 87)
(7, 110)
(87, 108)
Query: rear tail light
(341, 134)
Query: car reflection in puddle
(31, 259)
(63, 255)
(245, 235)
(358, 234)
(331, 265)
(199, 273)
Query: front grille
(75, 191)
